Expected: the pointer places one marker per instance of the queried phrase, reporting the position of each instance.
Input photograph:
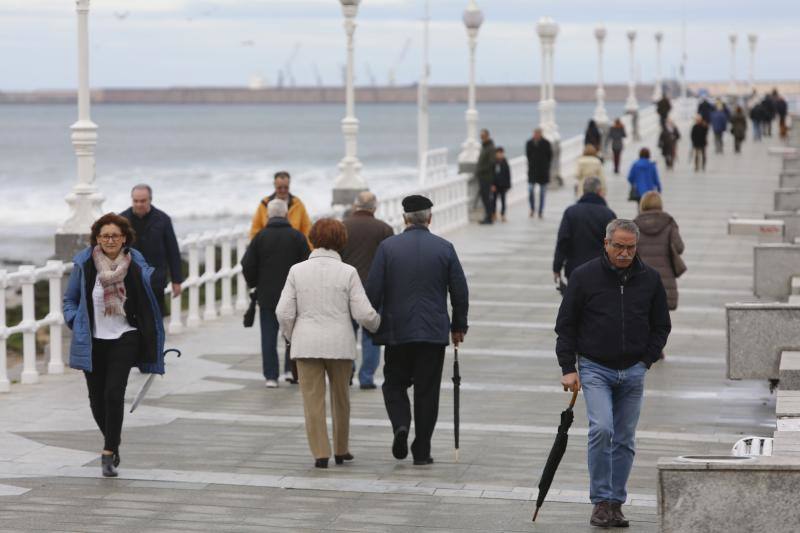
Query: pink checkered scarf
(112, 278)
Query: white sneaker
(287, 376)
(272, 384)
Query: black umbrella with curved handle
(456, 399)
(146, 387)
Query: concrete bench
(791, 223)
(737, 494)
(757, 334)
(789, 180)
(766, 230)
(774, 266)
(787, 199)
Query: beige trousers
(311, 373)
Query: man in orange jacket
(297, 215)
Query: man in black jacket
(582, 230)
(265, 266)
(539, 153)
(484, 173)
(614, 323)
(155, 238)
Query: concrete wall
(757, 334)
(774, 265)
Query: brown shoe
(601, 515)
(617, 518)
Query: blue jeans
(613, 403)
(269, 344)
(532, 197)
(370, 357)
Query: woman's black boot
(342, 458)
(321, 463)
(109, 470)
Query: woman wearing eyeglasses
(116, 324)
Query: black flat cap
(415, 202)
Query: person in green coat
(484, 173)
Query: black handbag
(633, 195)
(250, 314)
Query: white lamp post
(85, 201)
(423, 130)
(732, 86)
(631, 105)
(600, 114)
(547, 30)
(657, 91)
(349, 181)
(752, 39)
(471, 148)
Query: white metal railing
(24, 279)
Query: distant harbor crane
(400, 57)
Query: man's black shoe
(601, 515)
(400, 444)
(488, 221)
(617, 518)
(423, 462)
(367, 386)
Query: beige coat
(588, 166)
(320, 296)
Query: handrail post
(226, 309)
(175, 309)
(241, 286)
(55, 271)
(209, 270)
(5, 385)
(27, 280)
(193, 319)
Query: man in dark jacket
(614, 323)
(484, 173)
(582, 229)
(663, 107)
(265, 266)
(409, 281)
(699, 137)
(364, 234)
(155, 239)
(540, 156)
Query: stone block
(755, 494)
(787, 199)
(765, 230)
(790, 180)
(791, 163)
(774, 266)
(757, 334)
(791, 223)
(789, 370)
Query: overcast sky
(158, 43)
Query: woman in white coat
(315, 309)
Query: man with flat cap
(408, 283)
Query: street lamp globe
(350, 2)
(631, 35)
(547, 27)
(473, 17)
(600, 33)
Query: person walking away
(757, 117)
(155, 239)
(676, 137)
(502, 182)
(719, 123)
(593, 136)
(364, 234)
(643, 176)
(616, 134)
(782, 109)
(484, 173)
(321, 297)
(769, 112)
(297, 215)
(116, 324)
(738, 128)
(582, 230)
(539, 153)
(660, 244)
(612, 325)
(704, 109)
(663, 107)
(666, 141)
(265, 266)
(588, 165)
(699, 136)
(409, 282)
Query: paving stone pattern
(212, 450)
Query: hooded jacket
(658, 232)
(141, 310)
(613, 317)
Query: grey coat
(658, 229)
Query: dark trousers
(418, 364)
(486, 198)
(737, 144)
(111, 363)
(617, 154)
(532, 196)
(700, 158)
(269, 345)
(500, 194)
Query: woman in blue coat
(643, 176)
(116, 324)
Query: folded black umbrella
(456, 398)
(149, 381)
(556, 453)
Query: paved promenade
(212, 450)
